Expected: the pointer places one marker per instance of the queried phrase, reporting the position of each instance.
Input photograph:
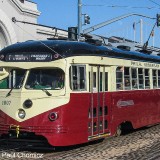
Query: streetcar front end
(31, 102)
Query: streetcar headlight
(53, 116)
(28, 103)
(21, 113)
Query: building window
(22, 1)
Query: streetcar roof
(73, 48)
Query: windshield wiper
(9, 93)
(46, 91)
(20, 85)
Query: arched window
(3, 41)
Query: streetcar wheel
(119, 131)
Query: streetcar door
(98, 111)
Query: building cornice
(26, 7)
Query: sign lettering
(6, 103)
(145, 64)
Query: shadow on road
(38, 146)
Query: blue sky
(63, 14)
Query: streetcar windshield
(52, 79)
(13, 80)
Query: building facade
(22, 11)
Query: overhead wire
(39, 40)
(125, 6)
(124, 28)
(117, 6)
(154, 31)
(154, 2)
(47, 47)
(127, 27)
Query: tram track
(141, 145)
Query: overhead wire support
(14, 20)
(146, 44)
(100, 25)
(35, 24)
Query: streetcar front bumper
(38, 130)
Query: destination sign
(145, 64)
(39, 57)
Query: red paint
(71, 127)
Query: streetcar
(73, 92)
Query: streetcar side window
(158, 78)
(127, 83)
(154, 80)
(119, 78)
(106, 81)
(101, 82)
(81, 78)
(134, 78)
(78, 78)
(141, 78)
(128, 78)
(147, 81)
(94, 80)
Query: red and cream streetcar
(73, 92)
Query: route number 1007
(6, 103)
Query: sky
(63, 14)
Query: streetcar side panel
(141, 108)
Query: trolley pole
(79, 18)
(141, 31)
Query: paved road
(140, 145)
